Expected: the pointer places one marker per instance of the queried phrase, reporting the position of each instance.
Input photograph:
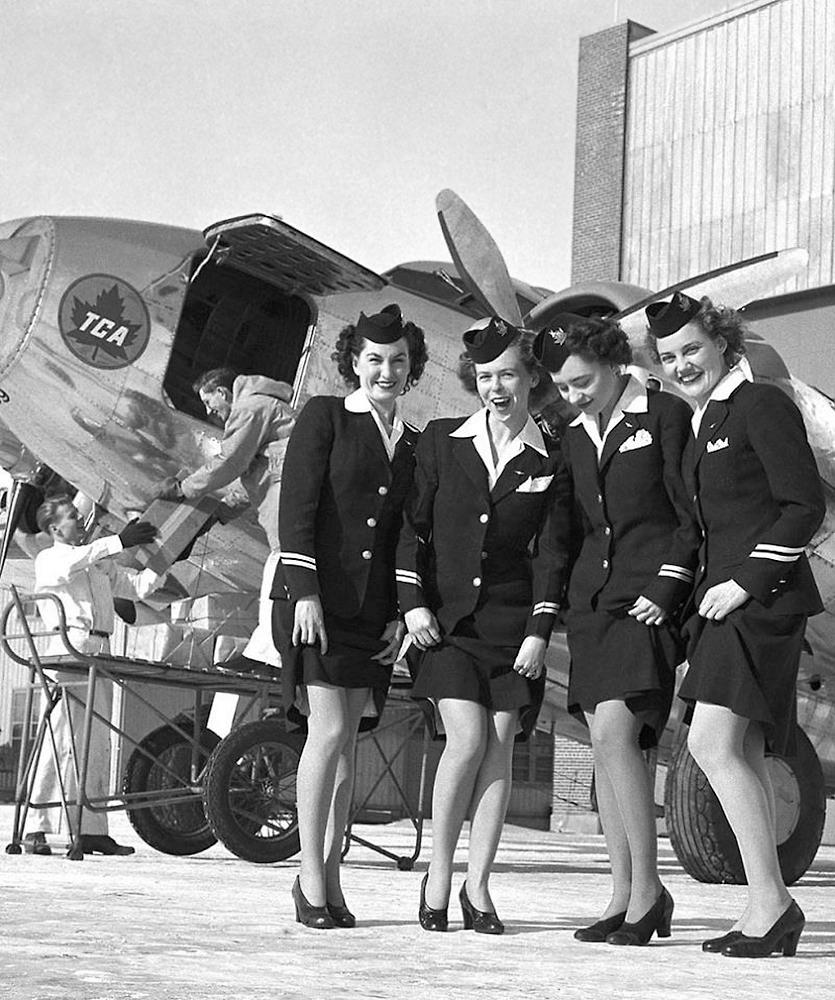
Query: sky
(344, 117)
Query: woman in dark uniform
(480, 575)
(759, 501)
(347, 471)
(632, 574)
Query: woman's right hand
(423, 627)
(309, 623)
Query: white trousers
(68, 727)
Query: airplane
(105, 323)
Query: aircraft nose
(21, 270)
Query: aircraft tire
(701, 835)
(178, 828)
(249, 793)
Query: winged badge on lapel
(535, 484)
(717, 445)
(640, 439)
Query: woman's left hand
(647, 611)
(393, 637)
(531, 657)
(721, 599)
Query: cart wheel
(171, 827)
(13, 849)
(250, 792)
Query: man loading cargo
(257, 419)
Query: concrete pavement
(154, 927)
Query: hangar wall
(729, 143)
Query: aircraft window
(231, 319)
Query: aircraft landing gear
(702, 838)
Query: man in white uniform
(86, 579)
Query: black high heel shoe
(341, 915)
(718, 943)
(655, 921)
(431, 920)
(600, 929)
(783, 936)
(310, 916)
(481, 921)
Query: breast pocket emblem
(640, 439)
(536, 484)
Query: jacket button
(372, 522)
(607, 530)
(483, 555)
(476, 581)
(695, 498)
(382, 490)
(366, 554)
(600, 498)
(483, 518)
(605, 564)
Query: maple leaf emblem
(501, 328)
(558, 336)
(104, 321)
(102, 326)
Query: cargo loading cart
(183, 787)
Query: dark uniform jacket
(758, 497)
(640, 535)
(459, 535)
(341, 508)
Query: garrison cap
(549, 347)
(384, 327)
(488, 338)
(667, 318)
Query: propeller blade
(478, 259)
(18, 496)
(734, 285)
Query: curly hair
(349, 344)
(722, 321)
(598, 339)
(716, 321)
(541, 394)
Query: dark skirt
(348, 664)
(616, 658)
(748, 663)
(469, 668)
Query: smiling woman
(481, 566)
(350, 461)
(633, 571)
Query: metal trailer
(184, 788)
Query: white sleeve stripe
(546, 608)
(405, 576)
(298, 559)
(774, 557)
(685, 577)
(673, 568)
(767, 547)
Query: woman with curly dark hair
(348, 468)
(633, 571)
(759, 501)
(480, 571)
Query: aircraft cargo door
(249, 305)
